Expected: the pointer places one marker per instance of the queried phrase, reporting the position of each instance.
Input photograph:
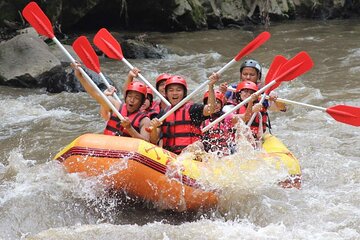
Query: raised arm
(133, 73)
(210, 106)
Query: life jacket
(114, 128)
(151, 113)
(220, 138)
(179, 131)
(156, 106)
(255, 124)
(154, 109)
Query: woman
(182, 127)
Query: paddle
(347, 114)
(293, 68)
(341, 113)
(41, 23)
(88, 56)
(111, 47)
(250, 47)
(271, 74)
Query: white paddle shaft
(237, 107)
(299, 103)
(108, 86)
(188, 97)
(147, 83)
(90, 81)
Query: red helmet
(162, 77)
(137, 87)
(246, 85)
(149, 95)
(149, 92)
(218, 95)
(176, 79)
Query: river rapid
(39, 200)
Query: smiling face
(133, 101)
(245, 93)
(249, 74)
(145, 106)
(161, 87)
(218, 105)
(175, 93)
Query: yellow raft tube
(147, 171)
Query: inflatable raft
(147, 171)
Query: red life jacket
(255, 124)
(154, 109)
(179, 131)
(220, 138)
(156, 106)
(113, 126)
(151, 113)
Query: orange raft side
(137, 167)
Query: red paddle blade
(293, 68)
(345, 114)
(38, 20)
(273, 71)
(108, 44)
(86, 53)
(254, 44)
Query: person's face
(245, 93)
(133, 101)
(249, 74)
(175, 93)
(146, 105)
(161, 88)
(218, 105)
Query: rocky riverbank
(29, 61)
(176, 15)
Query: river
(39, 200)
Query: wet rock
(174, 15)
(188, 15)
(27, 61)
(23, 59)
(139, 49)
(59, 54)
(68, 82)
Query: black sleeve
(161, 113)
(196, 113)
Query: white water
(39, 200)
